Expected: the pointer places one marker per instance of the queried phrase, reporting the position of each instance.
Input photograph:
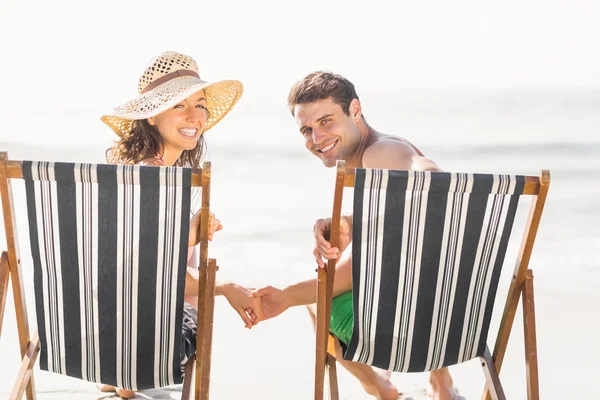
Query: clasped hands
(256, 305)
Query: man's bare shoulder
(392, 152)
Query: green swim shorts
(342, 317)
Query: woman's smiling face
(181, 126)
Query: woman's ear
(151, 121)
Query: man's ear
(151, 121)
(355, 109)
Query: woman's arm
(239, 297)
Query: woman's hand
(243, 302)
(214, 225)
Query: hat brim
(220, 96)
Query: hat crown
(167, 62)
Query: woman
(164, 126)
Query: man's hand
(214, 225)
(322, 230)
(273, 302)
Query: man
(329, 117)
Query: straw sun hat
(167, 80)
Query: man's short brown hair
(321, 85)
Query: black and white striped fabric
(109, 247)
(427, 252)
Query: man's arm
(274, 301)
(305, 292)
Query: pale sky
(72, 55)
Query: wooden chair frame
(521, 286)
(10, 270)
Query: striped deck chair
(427, 252)
(109, 247)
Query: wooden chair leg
(333, 383)
(200, 339)
(493, 385)
(4, 274)
(205, 328)
(24, 378)
(332, 368)
(533, 390)
(325, 281)
(187, 380)
(322, 332)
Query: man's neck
(366, 134)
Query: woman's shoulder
(151, 161)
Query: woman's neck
(168, 158)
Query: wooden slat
(532, 183)
(14, 169)
(533, 388)
(331, 345)
(197, 176)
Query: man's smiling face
(328, 132)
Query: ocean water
(268, 190)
